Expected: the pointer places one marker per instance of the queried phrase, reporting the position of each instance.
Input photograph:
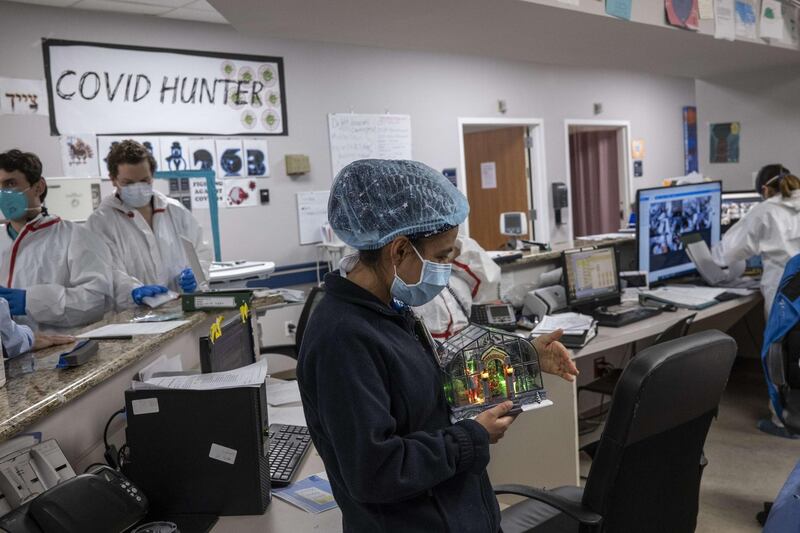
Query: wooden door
(505, 147)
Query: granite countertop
(555, 254)
(26, 398)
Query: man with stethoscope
(53, 272)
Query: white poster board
(22, 97)
(113, 89)
(312, 213)
(358, 136)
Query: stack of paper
(569, 322)
(688, 296)
(247, 376)
(578, 329)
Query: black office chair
(645, 476)
(606, 383)
(292, 350)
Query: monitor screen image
(667, 213)
(235, 348)
(591, 275)
(735, 205)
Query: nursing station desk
(73, 405)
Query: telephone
(29, 468)
(499, 316)
(101, 501)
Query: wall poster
(110, 89)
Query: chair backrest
(314, 297)
(645, 475)
(784, 363)
(676, 331)
(781, 361)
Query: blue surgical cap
(373, 201)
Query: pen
(109, 338)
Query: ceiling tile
(56, 3)
(196, 14)
(203, 5)
(121, 7)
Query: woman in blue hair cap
(369, 377)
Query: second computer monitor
(591, 277)
(234, 348)
(666, 213)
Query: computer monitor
(235, 348)
(591, 277)
(735, 205)
(666, 213)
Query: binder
(215, 300)
(200, 451)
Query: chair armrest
(572, 509)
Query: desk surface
(282, 516)
(27, 398)
(608, 338)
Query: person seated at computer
(53, 272)
(143, 228)
(369, 378)
(475, 280)
(771, 229)
(19, 339)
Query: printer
(545, 301)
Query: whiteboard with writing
(357, 136)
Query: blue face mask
(432, 280)
(13, 204)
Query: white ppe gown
(144, 255)
(17, 339)
(475, 279)
(64, 269)
(770, 229)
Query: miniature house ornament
(484, 367)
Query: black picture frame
(47, 44)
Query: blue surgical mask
(13, 204)
(432, 280)
(136, 194)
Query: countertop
(29, 397)
(532, 258)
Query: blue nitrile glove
(187, 280)
(146, 290)
(15, 299)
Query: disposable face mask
(432, 280)
(14, 204)
(136, 194)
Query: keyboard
(626, 317)
(287, 447)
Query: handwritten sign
(22, 97)
(113, 90)
(358, 136)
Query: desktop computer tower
(200, 451)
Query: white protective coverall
(771, 229)
(17, 339)
(64, 269)
(144, 255)
(475, 280)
